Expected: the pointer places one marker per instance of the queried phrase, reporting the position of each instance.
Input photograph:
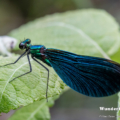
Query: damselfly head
(25, 44)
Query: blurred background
(71, 105)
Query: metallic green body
(36, 52)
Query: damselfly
(91, 76)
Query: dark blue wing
(90, 76)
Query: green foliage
(116, 56)
(9, 17)
(26, 89)
(83, 3)
(37, 8)
(37, 111)
(87, 32)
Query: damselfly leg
(15, 61)
(47, 76)
(26, 72)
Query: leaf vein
(11, 77)
(62, 24)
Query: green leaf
(116, 56)
(26, 89)
(118, 112)
(89, 32)
(37, 111)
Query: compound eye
(21, 46)
(29, 42)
